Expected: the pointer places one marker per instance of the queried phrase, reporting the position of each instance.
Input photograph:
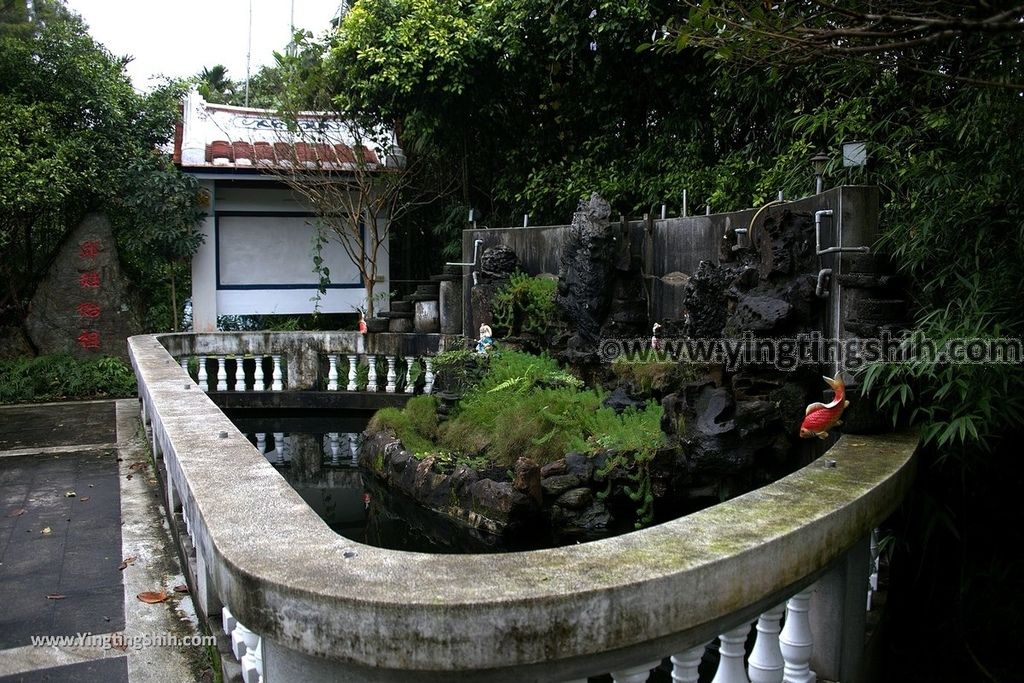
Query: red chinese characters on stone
(89, 339)
(89, 249)
(88, 309)
(89, 280)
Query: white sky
(180, 37)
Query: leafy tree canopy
(535, 105)
(74, 138)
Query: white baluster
(685, 665)
(873, 568)
(184, 364)
(796, 642)
(204, 383)
(371, 379)
(257, 375)
(353, 445)
(261, 442)
(332, 373)
(227, 620)
(765, 664)
(252, 661)
(731, 650)
(279, 446)
(410, 387)
(634, 674)
(428, 364)
(352, 361)
(392, 376)
(277, 385)
(241, 640)
(333, 437)
(239, 374)
(222, 375)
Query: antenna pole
(248, 56)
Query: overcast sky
(179, 38)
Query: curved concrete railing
(323, 604)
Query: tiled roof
(221, 136)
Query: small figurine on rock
(821, 417)
(655, 341)
(485, 344)
(362, 322)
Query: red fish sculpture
(821, 417)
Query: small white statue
(655, 342)
(486, 342)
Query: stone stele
(82, 306)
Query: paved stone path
(79, 499)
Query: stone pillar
(427, 320)
(204, 267)
(206, 601)
(450, 306)
(838, 615)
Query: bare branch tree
(358, 182)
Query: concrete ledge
(307, 400)
(542, 615)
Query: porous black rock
(585, 273)
(498, 262)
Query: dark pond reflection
(318, 456)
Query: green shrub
(525, 304)
(525, 405)
(632, 431)
(422, 414)
(50, 378)
(415, 426)
(646, 376)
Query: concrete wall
(257, 258)
(678, 245)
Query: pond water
(318, 456)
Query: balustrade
(246, 646)
(397, 378)
(222, 380)
(232, 377)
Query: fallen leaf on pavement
(84, 498)
(137, 465)
(17, 513)
(152, 597)
(70, 494)
(55, 596)
(181, 588)
(46, 530)
(127, 561)
(129, 476)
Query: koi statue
(821, 417)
